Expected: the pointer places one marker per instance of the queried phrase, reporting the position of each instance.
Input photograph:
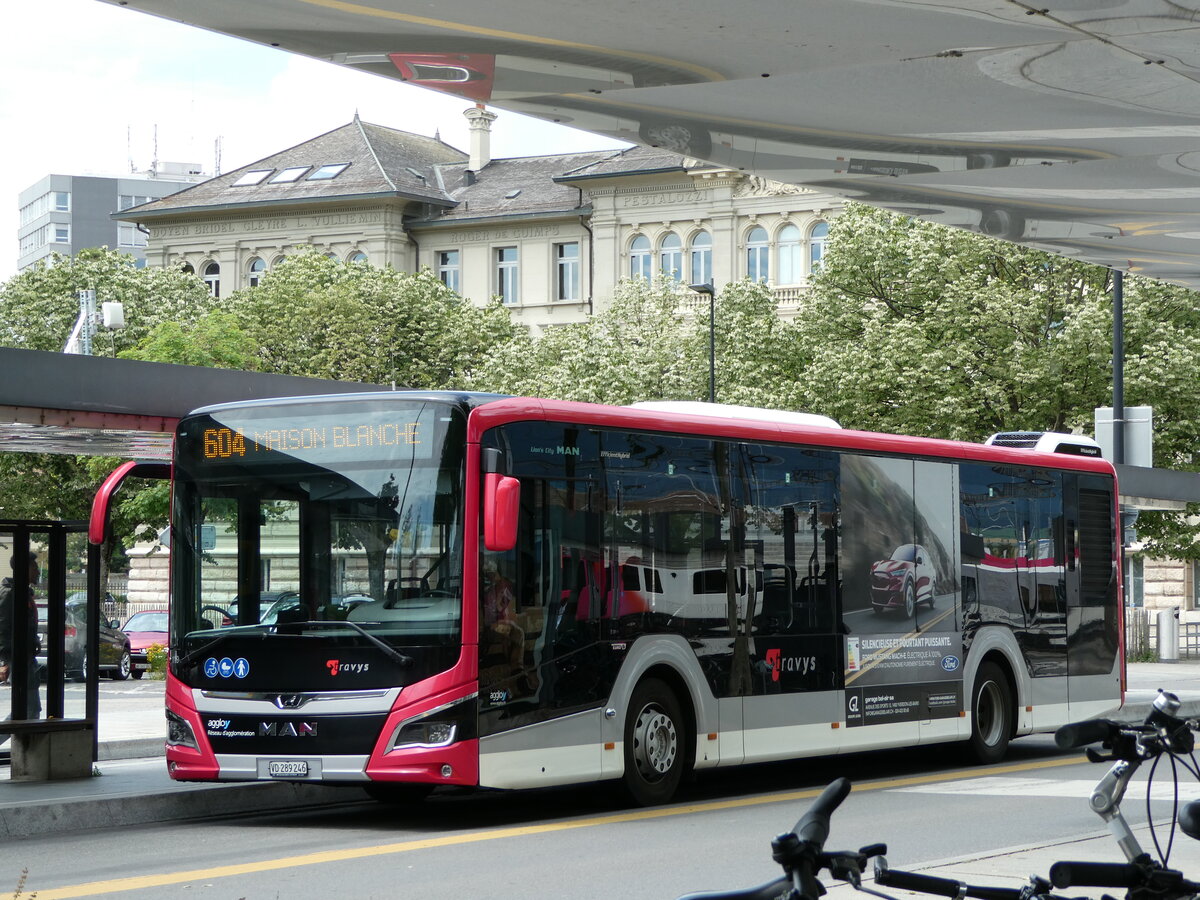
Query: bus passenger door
(544, 672)
(1092, 615)
(1042, 565)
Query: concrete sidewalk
(133, 786)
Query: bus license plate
(286, 768)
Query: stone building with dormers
(549, 235)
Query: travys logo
(779, 663)
(337, 667)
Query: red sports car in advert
(902, 580)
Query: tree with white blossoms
(39, 306)
(920, 329)
(315, 316)
(650, 342)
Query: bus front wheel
(655, 743)
(991, 714)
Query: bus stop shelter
(93, 406)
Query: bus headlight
(179, 732)
(429, 734)
(439, 727)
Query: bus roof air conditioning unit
(1046, 442)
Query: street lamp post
(707, 288)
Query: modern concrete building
(549, 235)
(66, 213)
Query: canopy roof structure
(1070, 125)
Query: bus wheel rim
(987, 712)
(655, 742)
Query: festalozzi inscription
(664, 199)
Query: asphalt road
(581, 842)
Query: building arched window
(791, 260)
(212, 278)
(758, 258)
(357, 257)
(277, 260)
(670, 257)
(816, 246)
(639, 257)
(702, 258)
(187, 269)
(255, 271)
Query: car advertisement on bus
(900, 590)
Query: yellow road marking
(360, 9)
(144, 882)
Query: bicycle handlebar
(1092, 731)
(941, 887)
(814, 824)
(1094, 874)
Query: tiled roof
(629, 162)
(515, 186)
(540, 184)
(381, 161)
(388, 162)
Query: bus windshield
(339, 519)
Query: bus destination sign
(320, 436)
(227, 443)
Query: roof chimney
(480, 122)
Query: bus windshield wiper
(391, 652)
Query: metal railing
(1141, 635)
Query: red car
(902, 581)
(144, 629)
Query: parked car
(902, 581)
(115, 656)
(145, 629)
(287, 608)
(224, 617)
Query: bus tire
(395, 793)
(655, 743)
(991, 714)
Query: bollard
(1168, 635)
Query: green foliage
(156, 659)
(214, 340)
(928, 330)
(315, 316)
(920, 329)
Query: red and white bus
(410, 589)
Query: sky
(85, 87)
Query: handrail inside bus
(101, 504)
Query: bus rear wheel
(655, 743)
(991, 714)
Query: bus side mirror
(501, 504)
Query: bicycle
(1163, 733)
(802, 855)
